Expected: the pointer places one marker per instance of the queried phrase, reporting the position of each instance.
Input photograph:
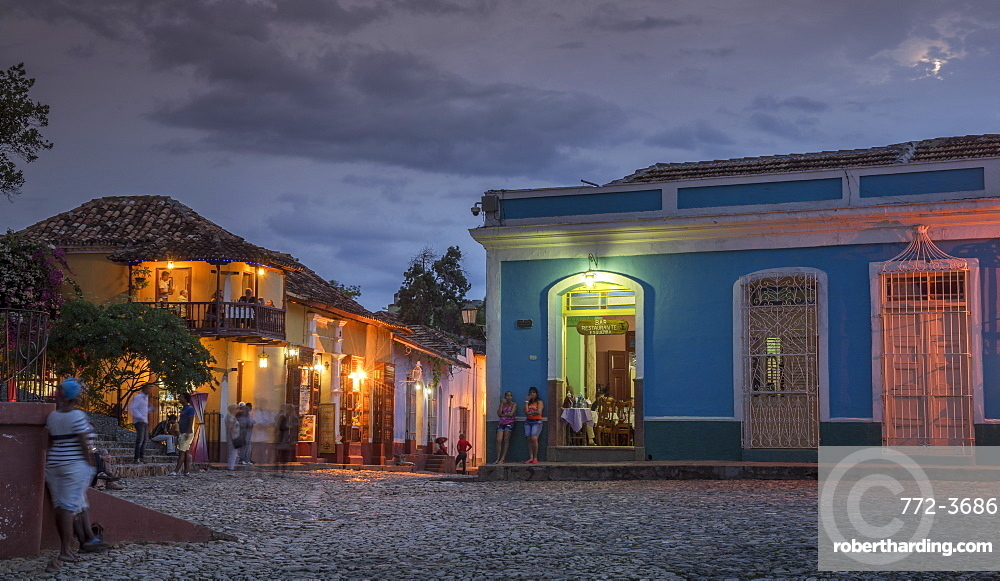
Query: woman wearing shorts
(507, 410)
(69, 469)
(533, 409)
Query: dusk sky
(353, 134)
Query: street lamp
(469, 313)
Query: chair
(604, 427)
(624, 430)
(575, 438)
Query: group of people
(239, 429)
(177, 435)
(249, 298)
(534, 408)
(239, 435)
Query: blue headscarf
(72, 387)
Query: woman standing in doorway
(507, 410)
(533, 409)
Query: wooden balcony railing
(230, 319)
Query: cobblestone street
(348, 524)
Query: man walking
(246, 424)
(186, 436)
(139, 408)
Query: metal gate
(780, 361)
(926, 350)
(25, 335)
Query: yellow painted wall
(100, 279)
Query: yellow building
(279, 332)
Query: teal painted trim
(582, 204)
(694, 440)
(850, 434)
(988, 434)
(756, 194)
(517, 452)
(923, 182)
(780, 455)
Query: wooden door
(619, 386)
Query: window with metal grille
(412, 389)
(780, 320)
(432, 420)
(926, 359)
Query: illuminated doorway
(595, 362)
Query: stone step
(158, 469)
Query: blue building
(752, 309)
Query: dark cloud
(440, 7)
(795, 129)
(571, 45)
(709, 52)
(693, 77)
(803, 104)
(612, 17)
(120, 19)
(691, 137)
(385, 107)
(344, 102)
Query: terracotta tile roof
(427, 339)
(308, 286)
(939, 149)
(146, 228)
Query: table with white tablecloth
(578, 417)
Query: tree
(120, 347)
(31, 275)
(20, 119)
(433, 291)
(353, 291)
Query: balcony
(243, 321)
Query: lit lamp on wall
(170, 265)
(260, 271)
(262, 359)
(469, 313)
(591, 274)
(357, 377)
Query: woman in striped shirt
(69, 468)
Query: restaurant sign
(602, 327)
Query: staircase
(121, 444)
(439, 463)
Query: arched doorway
(595, 368)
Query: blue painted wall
(582, 204)
(923, 182)
(689, 322)
(763, 193)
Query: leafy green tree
(433, 291)
(119, 347)
(20, 119)
(32, 275)
(353, 291)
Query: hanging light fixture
(591, 275)
(262, 359)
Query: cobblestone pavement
(334, 524)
